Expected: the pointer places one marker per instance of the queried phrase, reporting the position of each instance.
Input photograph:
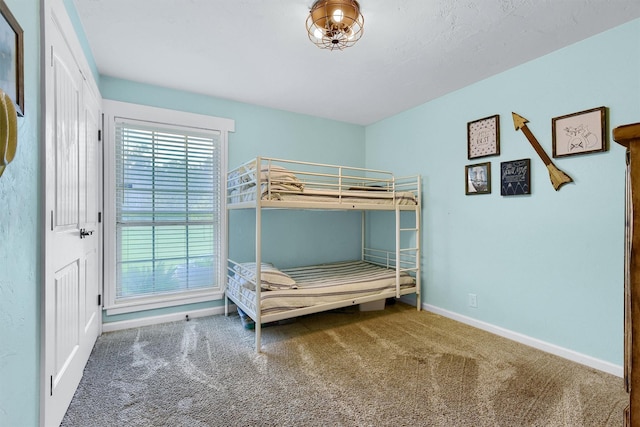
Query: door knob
(84, 233)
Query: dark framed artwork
(515, 177)
(478, 178)
(580, 133)
(483, 137)
(11, 58)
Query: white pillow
(271, 278)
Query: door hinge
(99, 134)
(52, 220)
(99, 299)
(99, 217)
(51, 385)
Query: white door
(91, 192)
(72, 201)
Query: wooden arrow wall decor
(558, 178)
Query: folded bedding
(274, 181)
(245, 176)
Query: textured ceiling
(258, 52)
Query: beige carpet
(396, 367)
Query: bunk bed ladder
(418, 251)
(398, 263)
(401, 262)
(418, 235)
(258, 270)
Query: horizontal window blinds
(167, 209)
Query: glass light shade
(335, 24)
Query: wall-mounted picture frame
(11, 58)
(483, 137)
(580, 133)
(515, 177)
(477, 178)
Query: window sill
(151, 303)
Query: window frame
(166, 118)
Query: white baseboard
(574, 356)
(172, 317)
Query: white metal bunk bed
(269, 183)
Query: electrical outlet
(473, 300)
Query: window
(169, 218)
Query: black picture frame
(11, 57)
(483, 137)
(515, 177)
(580, 133)
(477, 178)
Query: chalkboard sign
(515, 177)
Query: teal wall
(259, 131)
(548, 265)
(20, 243)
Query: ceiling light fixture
(335, 24)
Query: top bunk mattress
(306, 184)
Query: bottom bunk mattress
(302, 287)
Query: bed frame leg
(226, 305)
(258, 330)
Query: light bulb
(338, 14)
